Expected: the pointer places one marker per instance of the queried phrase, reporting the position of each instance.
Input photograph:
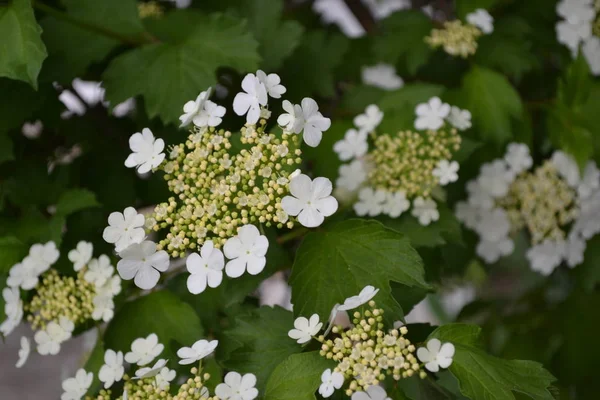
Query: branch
(362, 14)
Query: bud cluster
(456, 38)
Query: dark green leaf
(74, 200)
(93, 365)
(12, 250)
(6, 148)
(464, 7)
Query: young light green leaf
(74, 200)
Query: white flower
(237, 387)
(164, 378)
(99, 271)
(460, 119)
(352, 175)
(370, 119)
(104, 307)
(446, 172)
(546, 256)
(13, 309)
(249, 101)
(365, 295)
(246, 250)
(112, 370)
(75, 388)
(193, 107)
(32, 130)
(310, 200)
(49, 340)
(517, 157)
(495, 178)
(467, 214)
(144, 350)
(197, 352)
(370, 202)
(373, 392)
(314, 122)
(81, 255)
(576, 11)
(147, 151)
(23, 352)
(590, 182)
(591, 51)
(354, 144)
(142, 261)
(149, 372)
(425, 210)
(436, 355)
(44, 255)
(493, 225)
(305, 329)
(574, 250)
(293, 120)
(272, 83)
(205, 268)
(330, 382)
(492, 251)
(382, 76)
(571, 34)
(24, 274)
(431, 115)
(478, 197)
(210, 115)
(395, 204)
(481, 19)
(124, 228)
(111, 288)
(566, 167)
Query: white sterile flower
(382, 76)
(237, 387)
(436, 355)
(210, 115)
(431, 115)
(99, 271)
(23, 352)
(395, 204)
(272, 83)
(249, 101)
(305, 329)
(493, 225)
(467, 214)
(330, 382)
(591, 51)
(365, 295)
(124, 228)
(481, 19)
(142, 262)
(205, 268)
(149, 372)
(24, 274)
(293, 120)
(370, 202)
(112, 371)
(164, 378)
(112, 287)
(566, 167)
(460, 119)
(44, 255)
(147, 151)
(370, 119)
(314, 122)
(478, 196)
(13, 305)
(576, 11)
(590, 182)
(491, 251)
(351, 176)
(193, 107)
(546, 256)
(574, 251)
(446, 172)
(104, 307)
(75, 388)
(144, 350)
(49, 340)
(310, 200)
(373, 392)
(81, 255)
(495, 178)
(197, 352)
(571, 35)
(354, 144)
(32, 130)
(9, 325)
(425, 210)
(246, 251)
(517, 157)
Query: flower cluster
(459, 38)
(580, 26)
(390, 171)
(558, 208)
(58, 303)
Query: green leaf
(464, 7)
(259, 341)
(493, 102)
(174, 321)
(170, 74)
(17, 103)
(567, 134)
(575, 87)
(93, 364)
(6, 148)
(74, 200)
(21, 48)
(298, 377)
(12, 250)
(589, 271)
(482, 376)
(337, 262)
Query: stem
(362, 14)
(292, 235)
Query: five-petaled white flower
(305, 329)
(13, 308)
(425, 210)
(142, 262)
(24, 274)
(149, 372)
(75, 388)
(446, 171)
(352, 175)
(112, 371)
(370, 202)
(44, 255)
(99, 271)
(436, 355)
(124, 228)
(395, 204)
(293, 120)
(104, 307)
(246, 251)
(144, 350)
(481, 19)
(49, 340)
(197, 352)
(431, 115)
(211, 115)
(237, 387)
(330, 382)
(164, 377)
(314, 122)
(517, 157)
(354, 144)
(272, 83)
(147, 151)
(373, 392)
(382, 76)
(193, 107)
(23, 352)
(460, 119)
(81, 255)
(370, 119)
(310, 200)
(249, 101)
(365, 295)
(205, 268)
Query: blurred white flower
(373, 392)
(546, 256)
(517, 157)
(147, 151)
(395, 204)
(23, 352)
(460, 119)
(99, 271)
(481, 19)
(104, 307)
(382, 76)
(370, 120)
(305, 329)
(81, 255)
(446, 172)
(351, 176)
(246, 251)
(425, 210)
(436, 355)
(591, 51)
(566, 167)
(32, 130)
(310, 200)
(491, 251)
(495, 178)
(142, 262)
(590, 182)
(370, 202)
(431, 115)
(574, 251)
(354, 144)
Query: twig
(362, 14)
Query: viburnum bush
(296, 200)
